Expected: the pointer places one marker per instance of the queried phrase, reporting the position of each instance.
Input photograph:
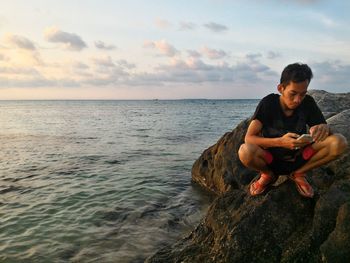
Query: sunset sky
(169, 49)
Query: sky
(160, 49)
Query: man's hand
(289, 141)
(319, 132)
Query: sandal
(256, 187)
(302, 185)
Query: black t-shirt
(275, 123)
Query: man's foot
(258, 186)
(302, 185)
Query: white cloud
(213, 53)
(70, 41)
(125, 64)
(20, 71)
(195, 70)
(214, 27)
(306, 1)
(162, 23)
(105, 61)
(21, 50)
(81, 65)
(104, 46)
(321, 18)
(28, 77)
(253, 56)
(187, 25)
(3, 57)
(273, 55)
(163, 47)
(19, 42)
(331, 76)
(194, 53)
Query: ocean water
(103, 181)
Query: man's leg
(253, 156)
(328, 150)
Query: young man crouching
(271, 143)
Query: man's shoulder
(308, 100)
(269, 98)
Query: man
(271, 143)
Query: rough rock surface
(279, 226)
(330, 103)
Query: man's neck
(288, 112)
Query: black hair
(297, 73)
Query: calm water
(103, 181)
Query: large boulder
(341, 122)
(218, 169)
(330, 103)
(279, 226)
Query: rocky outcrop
(279, 226)
(330, 103)
(218, 168)
(341, 122)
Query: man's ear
(280, 88)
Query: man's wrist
(278, 142)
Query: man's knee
(246, 153)
(338, 145)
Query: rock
(330, 103)
(279, 226)
(340, 123)
(215, 168)
(337, 247)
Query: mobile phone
(306, 138)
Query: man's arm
(319, 129)
(320, 132)
(253, 136)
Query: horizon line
(124, 99)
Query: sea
(104, 181)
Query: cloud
(103, 61)
(3, 57)
(194, 53)
(28, 77)
(331, 76)
(80, 65)
(305, 1)
(25, 51)
(321, 18)
(253, 56)
(123, 63)
(70, 41)
(36, 82)
(187, 26)
(273, 55)
(213, 53)
(214, 27)
(104, 46)
(19, 42)
(162, 46)
(195, 70)
(10, 70)
(162, 23)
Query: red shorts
(279, 167)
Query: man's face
(293, 94)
